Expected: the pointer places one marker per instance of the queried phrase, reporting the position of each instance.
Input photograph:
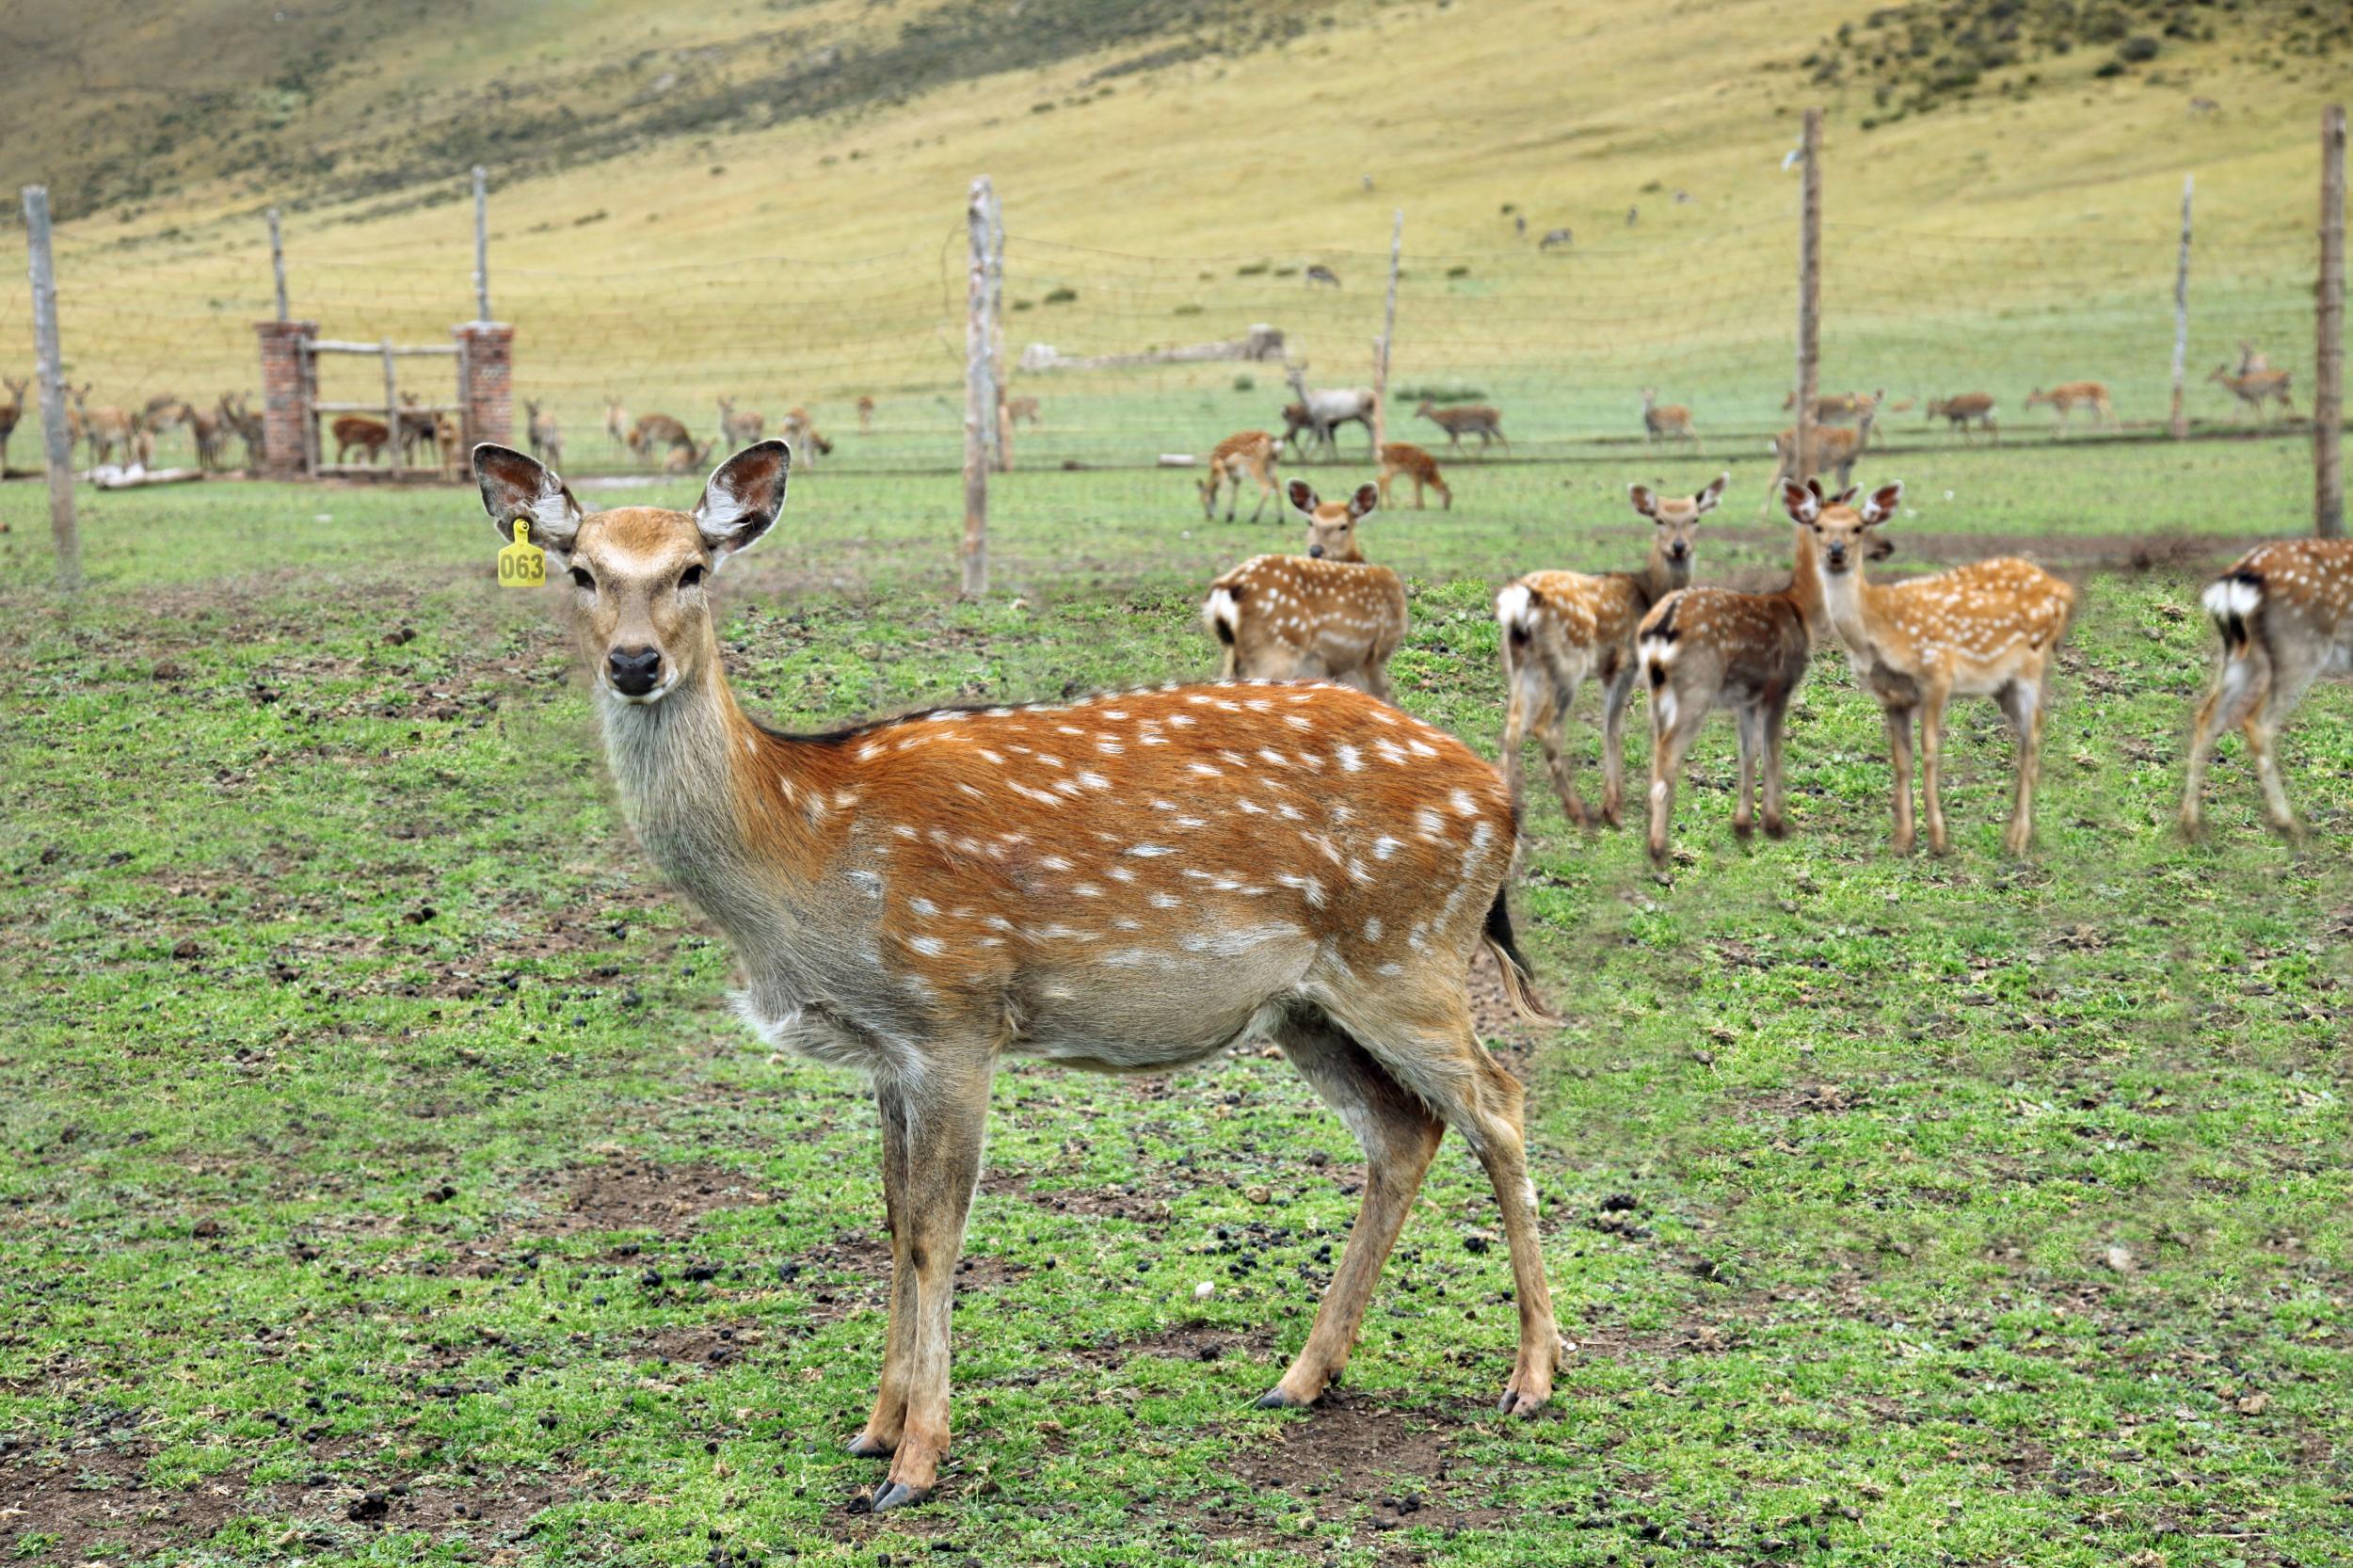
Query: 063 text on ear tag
(523, 564)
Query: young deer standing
(546, 433)
(1961, 413)
(1245, 453)
(1988, 629)
(865, 415)
(1469, 418)
(740, 429)
(1705, 648)
(1326, 409)
(1133, 883)
(618, 424)
(1836, 446)
(1560, 627)
(1412, 461)
(2255, 388)
(369, 435)
(1323, 615)
(1667, 421)
(11, 413)
(2286, 615)
(2063, 398)
(208, 431)
(104, 429)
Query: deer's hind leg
(1615, 695)
(1399, 1136)
(1749, 727)
(2023, 702)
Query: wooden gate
(396, 430)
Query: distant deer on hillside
(1667, 421)
(1465, 419)
(865, 415)
(1323, 275)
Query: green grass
(342, 1022)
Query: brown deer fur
(369, 435)
(1469, 418)
(1836, 446)
(1964, 411)
(1323, 615)
(2255, 388)
(740, 429)
(2062, 399)
(1667, 421)
(10, 412)
(1244, 453)
(1129, 882)
(1412, 461)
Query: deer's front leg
(1898, 721)
(1933, 766)
(947, 1116)
(879, 1437)
(1615, 696)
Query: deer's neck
(1846, 606)
(1662, 576)
(1807, 590)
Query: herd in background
(1988, 629)
(127, 435)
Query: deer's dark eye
(691, 578)
(579, 575)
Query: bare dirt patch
(1366, 1457)
(641, 1195)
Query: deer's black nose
(1314, 552)
(634, 671)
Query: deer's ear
(1364, 500)
(743, 497)
(1644, 500)
(1803, 501)
(1706, 500)
(514, 485)
(1303, 496)
(1846, 497)
(1883, 503)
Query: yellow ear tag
(523, 564)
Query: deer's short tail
(2234, 600)
(1518, 980)
(1224, 613)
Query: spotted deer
(1245, 453)
(1326, 409)
(1129, 883)
(1325, 615)
(689, 457)
(618, 426)
(1667, 421)
(546, 433)
(2284, 613)
(209, 431)
(1839, 407)
(1412, 461)
(11, 413)
(1558, 627)
(1469, 418)
(1835, 447)
(740, 429)
(2255, 388)
(800, 432)
(1988, 629)
(2063, 398)
(1703, 649)
(1960, 412)
(1019, 410)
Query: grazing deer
(1328, 409)
(2253, 388)
(1325, 615)
(1406, 459)
(1561, 237)
(1323, 275)
(1964, 411)
(865, 415)
(1988, 629)
(369, 435)
(2285, 617)
(1244, 453)
(545, 432)
(618, 426)
(739, 430)
(688, 458)
(801, 433)
(209, 431)
(1669, 422)
(1129, 882)
(2062, 399)
(1021, 410)
(1839, 407)
(660, 433)
(11, 413)
(1836, 446)
(1467, 419)
(104, 429)
(1560, 627)
(1703, 649)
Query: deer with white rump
(1326, 615)
(1988, 629)
(1559, 628)
(1129, 883)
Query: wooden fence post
(56, 437)
(278, 264)
(997, 332)
(481, 245)
(391, 408)
(2179, 423)
(2329, 372)
(1809, 291)
(1388, 335)
(980, 395)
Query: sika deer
(208, 431)
(1669, 422)
(1962, 412)
(1703, 649)
(1412, 461)
(1467, 419)
(370, 435)
(104, 429)
(1131, 882)
(736, 430)
(11, 413)
(2286, 615)
(1245, 453)
(2062, 399)
(1328, 409)
(660, 433)
(1560, 627)
(2255, 388)
(1838, 407)
(1325, 615)
(865, 415)
(546, 434)
(1988, 629)
(1836, 446)
(617, 426)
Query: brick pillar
(286, 397)
(489, 359)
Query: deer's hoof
(865, 1445)
(900, 1494)
(1277, 1399)
(1516, 1404)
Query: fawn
(1021, 411)
(739, 429)
(1988, 629)
(1560, 627)
(2285, 617)
(104, 429)
(1412, 461)
(1127, 883)
(546, 433)
(1836, 446)
(2255, 388)
(1469, 418)
(659, 433)
(1667, 421)
(1961, 413)
(1249, 453)
(865, 415)
(2062, 399)
(1325, 614)
(370, 435)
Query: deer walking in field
(1412, 461)
(1835, 447)
(1467, 419)
(1961, 413)
(2284, 614)
(865, 415)
(1988, 629)
(2253, 388)
(371, 435)
(1328, 409)
(546, 434)
(11, 413)
(1839, 407)
(1703, 649)
(1667, 421)
(1319, 273)
(1127, 883)
(1325, 615)
(2063, 398)
(739, 430)
(1244, 453)
(1559, 628)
